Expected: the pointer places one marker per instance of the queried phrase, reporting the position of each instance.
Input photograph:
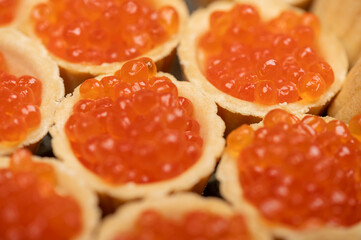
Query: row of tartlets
(188, 116)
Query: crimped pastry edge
(212, 129)
(231, 190)
(26, 57)
(331, 49)
(172, 207)
(70, 184)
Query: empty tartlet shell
(172, 207)
(75, 73)
(348, 102)
(344, 19)
(26, 57)
(70, 184)
(235, 111)
(231, 191)
(193, 179)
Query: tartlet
(233, 110)
(172, 208)
(75, 73)
(26, 57)
(195, 177)
(314, 226)
(342, 18)
(67, 185)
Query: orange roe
(133, 126)
(193, 225)
(266, 62)
(30, 206)
(7, 11)
(103, 31)
(20, 99)
(302, 173)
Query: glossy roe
(266, 62)
(7, 11)
(133, 126)
(302, 173)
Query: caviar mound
(42, 191)
(140, 108)
(19, 105)
(8, 10)
(193, 62)
(133, 126)
(186, 216)
(30, 88)
(299, 175)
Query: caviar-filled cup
(298, 176)
(138, 133)
(30, 88)
(180, 216)
(254, 57)
(42, 199)
(90, 38)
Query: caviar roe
(265, 62)
(7, 11)
(30, 206)
(133, 126)
(20, 99)
(103, 31)
(301, 172)
(193, 225)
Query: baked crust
(231, 190)
(76, 73)
(70, 184)
(26, 57)
(348, 102)
(173, 207)
(236, 111)
(212, 129)
(343, 18)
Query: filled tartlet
(253, 58)
(30, 88)
(298, 176)
(136, 133)
(89, 38)
(41, 199)
(181, 216)
(343, 18)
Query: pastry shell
(195, 178)
(26, 57)
(173, 207)
(70, 184)
(75, 73)
(231, 190)
(235, 111)
(344, 19)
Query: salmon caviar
(30, 206)
(133, 126)
(266, 62)
(20, 99)
(303, 172)
(193, 225)
(104, 31)
(7, 11)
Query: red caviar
(20, 99)
(103, 31)
(265, 62)
(133, 126)
(193, 225)
(302, 172)
(7, 11)
(30, 206)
